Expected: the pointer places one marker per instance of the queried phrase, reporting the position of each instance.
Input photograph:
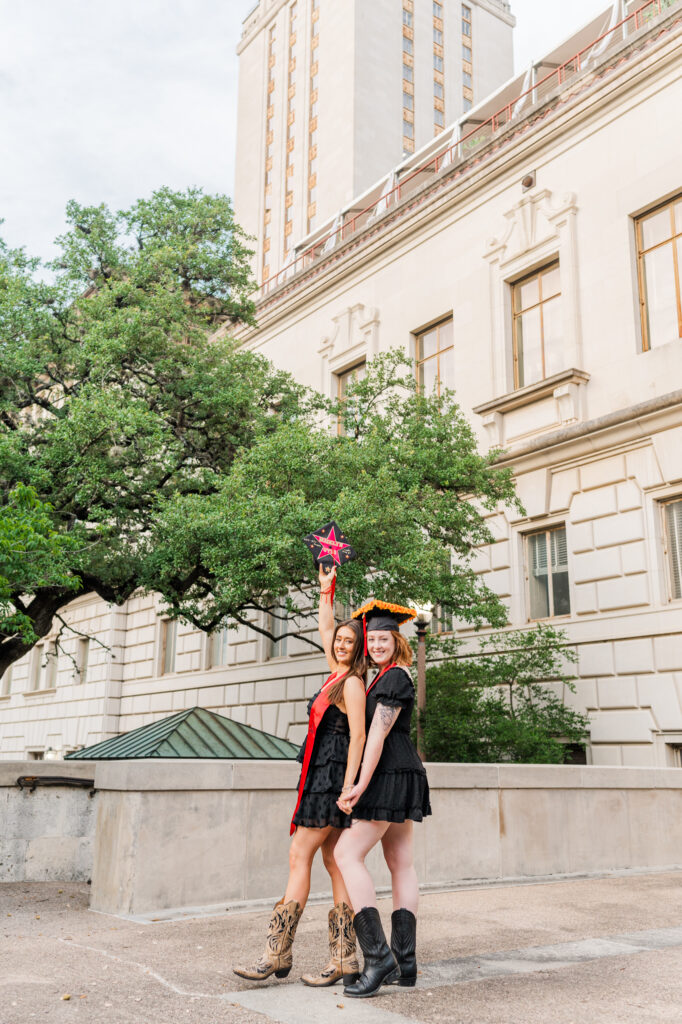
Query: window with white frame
(44, 667)
(169, 637)
(83, 658)
(219, 646)
(277, 625)
(6, 682)
(672, 511)
(547, 573)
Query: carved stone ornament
(532, 222)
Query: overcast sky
(103, 102)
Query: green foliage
(33, 555)
(502, 702)
(175, 461)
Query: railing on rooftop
(411, 179)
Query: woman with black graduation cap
(391, 793)
(330, 760)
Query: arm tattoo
(386, 716)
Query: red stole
(320, 705)
(378, 677)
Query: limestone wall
(45, 835)
(195, 834)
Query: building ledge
(39, 693)
(556, 401)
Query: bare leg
(304, 845)
(350, 853)
(398, 845)
(338, 888)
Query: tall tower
(333, 94)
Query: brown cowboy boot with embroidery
(277, 958)
(343, 960)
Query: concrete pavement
(601, 950)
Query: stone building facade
(537, 272)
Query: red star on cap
(330, 546)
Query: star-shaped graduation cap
(330, 545)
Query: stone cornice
(549, 120)
(624, 426)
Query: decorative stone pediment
(355, 332)
(530, 225)
(537, 230)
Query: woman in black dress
(391, 793)
(330, 760)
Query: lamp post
(422, 621)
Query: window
(466, 79)
(277, 625)
(407, 45)
(466, 104)
(437, 62)
(673, 537)
(408, 73)
(443, 621)
(659, 259)
(356, 372)
(408, 18)
(6, 682)
(438, 36)
(408, 101)
(169, 630)
(83, 658)
(536, 303)
(438, 118)
(547, 572)
(466, 28)
(466, 52)
(408, 130)
(44, 668)
(219, 646)
(36, 755)
(437, 10)
(438, 90)
(435, 350)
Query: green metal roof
(192, 733)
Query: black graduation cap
(330, 546)
(382, 615)
(379, 615)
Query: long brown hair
(358, 662)
(402, 652)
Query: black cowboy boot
(404, 945)
(380, 964)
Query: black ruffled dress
(399, 788)
(326, 772)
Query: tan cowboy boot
(343, 961)
(277, 958)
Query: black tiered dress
(326, 772)
(399, 788)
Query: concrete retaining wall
(46, 835)
(172, 834)
(190, 834)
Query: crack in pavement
(296, 1004)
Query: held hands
(349, 797)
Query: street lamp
(422, 621)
